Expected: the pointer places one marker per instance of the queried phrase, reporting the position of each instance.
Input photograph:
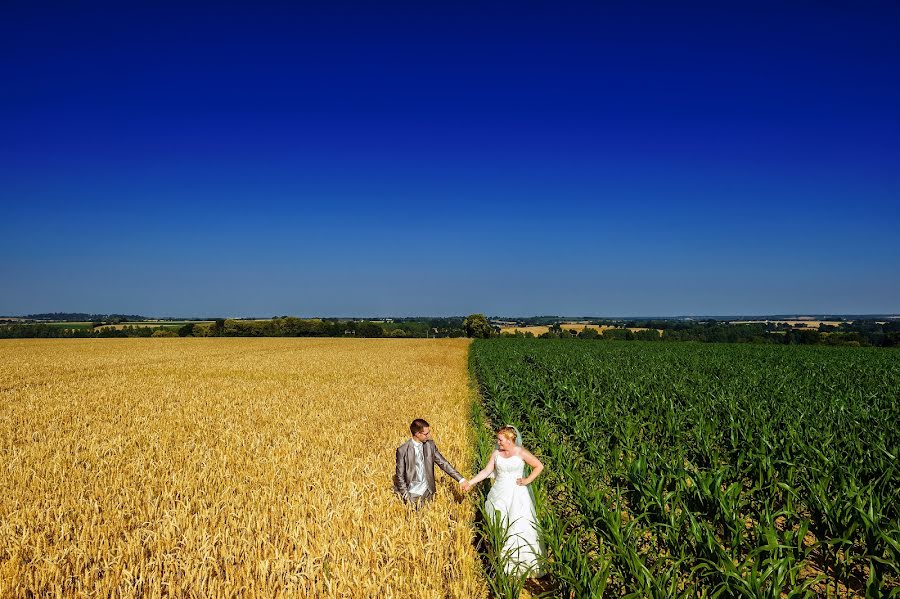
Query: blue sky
(415, 159)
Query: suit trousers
(418, 501)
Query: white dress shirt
(419, 486)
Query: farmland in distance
(685, 470)
(538, 330)
(229, 467)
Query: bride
(512, 501)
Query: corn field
(229, 468)
(686, 470)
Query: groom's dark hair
(417, 425)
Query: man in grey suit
(414, 475)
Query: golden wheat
(541, 329)
(229, 467)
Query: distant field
(569, 326)
(534, 330)
(539, 330)
(810, 324)
(137, 324)
(169, 324)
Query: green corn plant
(679, 467)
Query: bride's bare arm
(536, 466)
(481, 475)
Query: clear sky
(627, 158)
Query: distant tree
(187, 330)
(851, 339)
(164, 333)
(891, 339)
(333, 328)
(218, 328)
(369, 329)
(588, 333)
(647, 335)
(202, 329)
(412, 328)
(477, 326)
(802, 337)
(618, 334)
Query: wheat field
(229, 467)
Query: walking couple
(510, 499)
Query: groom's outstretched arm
(446, 466)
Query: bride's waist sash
(506, 480)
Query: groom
(414, 476)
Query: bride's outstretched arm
(536, 467)
(481, 475)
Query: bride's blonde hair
(508, 432)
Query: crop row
(725, 470)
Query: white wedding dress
(516, 508)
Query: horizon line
(698, 315)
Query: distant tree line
(286, 326)
(85, 317)
(856, 333)
(25, 331)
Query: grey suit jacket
(406, 467)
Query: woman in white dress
(512, 501)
